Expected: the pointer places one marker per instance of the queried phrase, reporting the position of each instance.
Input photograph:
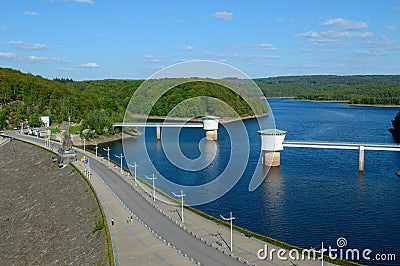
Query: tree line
(359, 89)
(96, 104)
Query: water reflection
(274, 198)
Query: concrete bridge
(273, 143)
(210, 125)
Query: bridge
(157, 125)
(273, 142)
(341, 145)
(210, 125)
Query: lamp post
(180, 196)
(88, 169)
(108, 154)
(154, 187)
(84, 145)
(96, 150)
(134, 166)
(229, 219)
(120, 157)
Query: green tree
(3, 122)
(35, 121)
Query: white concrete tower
(210, 125)
(271, 146)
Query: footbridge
(210, 125)
(273, 143)
(341, 145)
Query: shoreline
(374, 105)
(186, 119)
(341, 101)
(116, 137)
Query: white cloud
(31, 59)
(154, 59)
(259, 46)
(392, 28)
(85, 1)
(371, 52)
(345, 24)
(41, 59)
(246, 57)
(396, 7)
(27, 45)
(31, 13)
(90, 65)
(182, 47)
(331, 36)
(66, 69)
(383, 43)
(223, 15)
(98, 35)
(8, 56)
(289, 20)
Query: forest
(96, 104)
(360, 89)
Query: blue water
(317, 194)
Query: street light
(120, 157)
(229, 219)
(84, 145)
(154, 188)
(96, 150)
(134, 166)
(180, 196)
(88, 169)
(108, 154)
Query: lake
(317, 195)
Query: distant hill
(359, 89)
(97, 104)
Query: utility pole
(108, 154)
(154, 187)
(134, 166)
(84, 145)
(229, 219)
(120, 157)
(180, 196)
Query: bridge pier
(158, 132)
(361, 159)
(210, 125)
(271, 146)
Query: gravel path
(47, 214)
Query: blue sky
(99, 39)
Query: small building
(45, 120)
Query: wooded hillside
(97, 104)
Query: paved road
(182, 240)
